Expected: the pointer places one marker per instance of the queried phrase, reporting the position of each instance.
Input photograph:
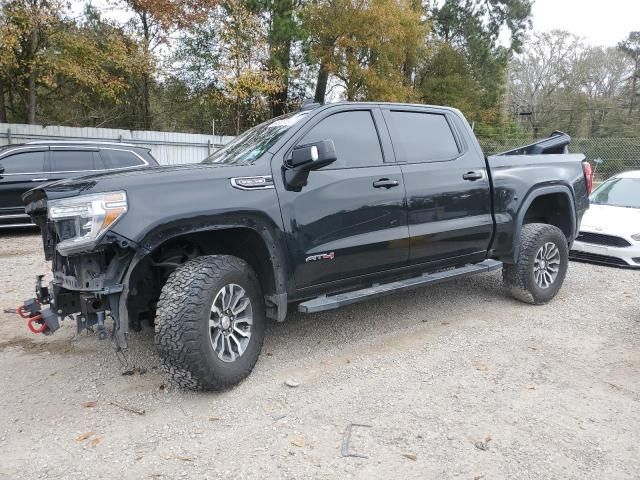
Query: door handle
(385, 183)
(39, 179)
(472, 176)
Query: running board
(330, 302)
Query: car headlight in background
(636, 237)
(83, 219)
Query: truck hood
(130, 179)
(611, 220)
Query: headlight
(84, 219)
(636, 237)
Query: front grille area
(602, 239)
(594, 257)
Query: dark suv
(28, 165)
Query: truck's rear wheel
(541, 265)
(210, 322)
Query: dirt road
(454, 381)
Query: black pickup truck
(320, 208)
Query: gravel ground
(453, 381)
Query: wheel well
(553, 209)
(151, 273)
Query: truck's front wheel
(541, 265)
(210, 322)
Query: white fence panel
(169, 148)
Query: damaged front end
(89, 262)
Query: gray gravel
(454, 381)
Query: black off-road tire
(519, 278)
(182, 323)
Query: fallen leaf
(410, 456)
(214, 419)
(445, 323)
(298, 442)
(482, 367)
(483, 445)
(95, 441)
(269, 354)
(162, 387)
(292, 383)
(84, 436)
(184, 459)
(90, 404)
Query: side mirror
(306, 158)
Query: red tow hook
(30, 311)
(22, 311)
(41, 326)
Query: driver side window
(354, 135)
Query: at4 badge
(321, 256)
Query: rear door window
(354, 135)
(23, 162)
(74, 161)
(421, 137)
(120, 158)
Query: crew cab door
(349, 220)
(448, 190)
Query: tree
(156, 20)
(631, 47)
(42, 53)
(473, 28)
(560, 83)
(283, 30)
(364, 45)
(445, 78)
(244, 79)
(540, 73)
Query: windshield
(249, 146)
(619, 192)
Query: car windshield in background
(249, 146)
(619, 192)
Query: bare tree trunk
(634, 87)
(146, 103)
(238, 113)
(280, 38)
(3, 107)
(31, 85)
(321, 84)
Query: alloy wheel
(230, 322)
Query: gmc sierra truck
(317, 209)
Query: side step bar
(330, 302)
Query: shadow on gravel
(27, 231)
(390, 316)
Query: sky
(598, 22)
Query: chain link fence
(609, 156)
